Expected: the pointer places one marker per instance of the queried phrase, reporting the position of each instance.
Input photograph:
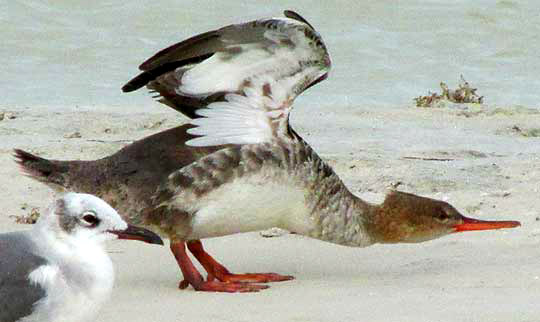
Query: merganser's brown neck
(339, 216)
(342, 218)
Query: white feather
(223, 73)
(262, 79)
(226, 72)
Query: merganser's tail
(51, 172)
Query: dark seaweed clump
(463, 94)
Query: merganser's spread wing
(201, 70)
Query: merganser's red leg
(195, 279)
(218, 271)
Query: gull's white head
(81, 216)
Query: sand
(64, 64)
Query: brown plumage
(126, 179)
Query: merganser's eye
(90, 219)
(443, 215)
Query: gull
(59, 270)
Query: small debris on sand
(464, 94)
(28, 219)
(273, 232)
(154, 125)
(529, 133)
(74, 135)
(7, 115)
(428, 159)
(474, 209)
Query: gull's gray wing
(17, 260)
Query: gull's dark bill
(138, 233)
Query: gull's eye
(90, 219)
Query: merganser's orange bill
(475, 224)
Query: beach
(64, 65)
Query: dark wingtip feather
(146, 77)
(137, 82)
(293, 15)
(167, 55)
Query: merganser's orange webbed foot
(218, 271)
(255, 277)
(194, 278)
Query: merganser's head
(408, 218)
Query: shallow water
(385, 53)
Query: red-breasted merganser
(239, 166)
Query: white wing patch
(257, 116)
(278, 55)
(262, 77)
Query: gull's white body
(77, 280)
(76, 273)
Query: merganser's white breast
(250, 203)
